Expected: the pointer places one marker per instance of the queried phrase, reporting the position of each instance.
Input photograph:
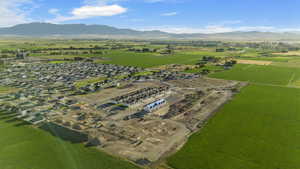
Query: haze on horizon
(174, 16)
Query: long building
(155, 105)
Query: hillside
(100, 31)
(47, 29)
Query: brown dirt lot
(254, 62)
(292, 53)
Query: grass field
(5, 90)
(290, 53)
(259, 129)
(291, 63)
(126, 58)
(57, 62)
(1, 67)
(274, 75)
(149, 59)
(24, 147)
(211, 68)
(273, 59)
(85, 82)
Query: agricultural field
(254, 62)
(289, 53)
(85, 82)
(294, 63)
(127, 53)
(152, 59)
(211, 68)
(277, 60)
(26, 147)
(272, 75)
(5, 90)
(273, 58)
(258, 129)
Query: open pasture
(272, 75)
(155, 59)
(149, 59)
(270, 58)
(294, 63)
(127, 58)
(253, 62)
(5, 90)
(290, 53)
(85, 82)
(25, 147)
(258, 129)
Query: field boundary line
(273, 85)
(64, 147)
(238, 158)
(247, 67)
(291, 79)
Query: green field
(5, 90)
(211, 68)
(273, 75)
(85, 82)
(259, 129)
(273, 59)
(25, 147)
(126, 58)
(58, 62)
(149, 59)
(295, 63)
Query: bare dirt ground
(203, 83)
(155, 137)
(107, 94)
(254, 62)
(174, 67)
(151, 137)
(290, 53)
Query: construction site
(147, 120)
(142, 115)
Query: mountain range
(103, 31)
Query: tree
(205, 71)
(146, 50)
(220, 50)
(201, 64)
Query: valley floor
(26, 147)
(258, 129)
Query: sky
(175, 16)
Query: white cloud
(229, 22)
(13, 12)
(164, 1)
(89, 11)
(154, 1)
(136, 20)
(170, 14)
(53, 11)
(101, 2)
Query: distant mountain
(103, 31)
(255, 35)
(47, 29)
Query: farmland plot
(271, 75)
(259, 129)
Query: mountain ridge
(38, 29)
